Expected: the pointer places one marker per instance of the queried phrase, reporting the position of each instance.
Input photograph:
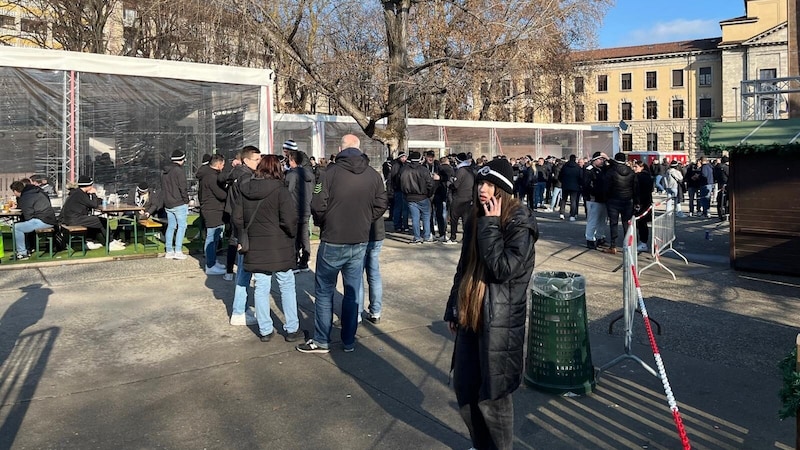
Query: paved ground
(139, 354)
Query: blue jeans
(417, 209)
(20, 228)
(539, 192)
(332, 259)
(400, 211)
(176, 226)
(242, 283)
(213, 236)
(372, 266)
(705, 198)
(288, 301)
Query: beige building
(661, 95)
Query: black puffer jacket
(570, 176)
(619, 182)
(508, 255)
(274, 227)
(416, 182)
(300, 182)
(35, 204)
(78, 204)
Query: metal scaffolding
(766, 99)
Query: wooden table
(119, 211)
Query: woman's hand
(493, 207)
(453, 326)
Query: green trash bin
(559, 359)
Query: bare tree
(378, 59)
(74, 25)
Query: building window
(7, 21)
(627, 142)
(579, 85)
(602, 112)
(627, 111)
(650, 80)
(767, 74)
(579, 113)
(705, 76)
(677, 78)
(652, 110)
(602, 83)
(33, 26)
(677, 142)
(705, 107)
(677, 109)
(652, 142)
(556, 111)
(626, 82)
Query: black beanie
(143, 186)
(498, 172)
(85, 181)
(415, 156)
(178, 155)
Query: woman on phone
(267, 206)
(487, 306)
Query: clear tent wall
(319, 135)
(119, 119)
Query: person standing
(721, 174)
(417, 186)
(300, 182)
(241, 173)
(707, 175)
(642, 200)
(176, 203)
(486, 309)
(37, 213)
(619, 185)
(212, 197)
(594, 196)
(570, 178)
(462, 188)
(349, 197)
(441, 197)
(399, 205)
(267, 207)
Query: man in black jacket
(37, 213)
(212, 196)
(594, 196)
(349, 197)
(721, 174)
(570, 178)
(620, 185)
(76, 211)
(399, 205)
(463, 190)
(176, 203)
(417, 186)
(300, 182)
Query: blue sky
(638, 22)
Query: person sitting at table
(148, 199)
(44, 185)
(36, 213)
(76, 211)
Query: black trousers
(618, 208)
(303, 243)
(460, 211)
(642, 230)
(490, 422)
(96, 227)
(573, 202)
(438, 215)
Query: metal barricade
(662, 236)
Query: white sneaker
(572, 218)
(642, 247)
(115, 247)
(93, 245)
(561, 216)
(179, 256)
(228, 277)
(169, 255)
(215, 270)
(220, 264)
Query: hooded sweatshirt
(349, 196)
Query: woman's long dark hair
(472, 289)
(269, 167)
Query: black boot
(592, 245)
